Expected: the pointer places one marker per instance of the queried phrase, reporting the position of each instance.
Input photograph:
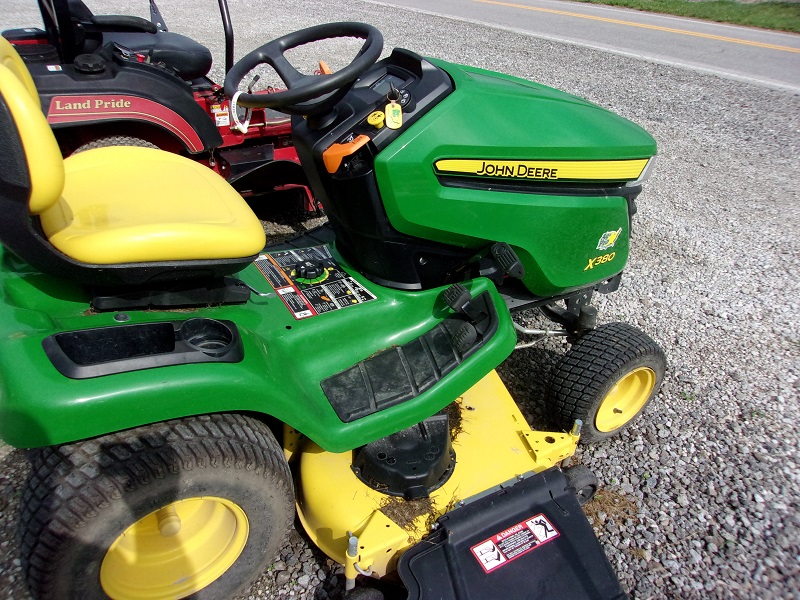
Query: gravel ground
(701, 497)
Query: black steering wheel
(306, 94)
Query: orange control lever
(332, 157)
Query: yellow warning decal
(610, 170)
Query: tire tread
(70, 484)
(595, 358)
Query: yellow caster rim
(176, 550)
(624, 401)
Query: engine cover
(480, 158)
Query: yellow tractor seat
(111, 216)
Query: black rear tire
(81, 497)
(606, 380)
(114, 140)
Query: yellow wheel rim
(176, 550)
(624, 401)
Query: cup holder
(208, 336)
(132, 347)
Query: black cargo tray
(527, 541)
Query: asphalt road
(754, 55)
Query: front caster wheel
(606, 380)
(584, 482)
(365, 593)
(197, 506)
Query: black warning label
(310, 282)
(514, 542)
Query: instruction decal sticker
(514, 542)
(222, 117)
(310, 282)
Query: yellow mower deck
(493, 444)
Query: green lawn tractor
(185, 390)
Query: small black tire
(114, 140)
(584, 481)
(224, 475)
(605, 380)
(364, 593)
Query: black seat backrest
(82, 32)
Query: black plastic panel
(25, 34)
(530, 540)
(411, 463)
(175, 294)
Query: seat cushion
(189, 58)
(134, 205)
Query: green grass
(783, 16)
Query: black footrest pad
(401, 373)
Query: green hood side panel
(497, 117)
(284, 361)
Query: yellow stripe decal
(645, 26)
(549, 170)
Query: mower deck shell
(493, 444)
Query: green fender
(284, 362)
